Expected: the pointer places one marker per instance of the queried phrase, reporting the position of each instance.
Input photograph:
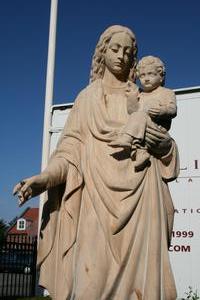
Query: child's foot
(123, 140)
(142, 159)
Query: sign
(185, 191)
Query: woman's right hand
(158, 140)
(30, 187)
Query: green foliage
(192, 295)
(13, 221)
(3, 228)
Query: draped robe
(105, 233)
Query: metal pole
(48, 94)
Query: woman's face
(119, 54)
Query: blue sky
(168, 29)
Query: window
(21, 224)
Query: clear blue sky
(168, 29)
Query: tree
(12, 222)
(3, 228)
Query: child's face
(150, 78)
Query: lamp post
(48, 94)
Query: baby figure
(154, 105)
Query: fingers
(150, 143)
(21, 199)
(151, 137)
(17, 188)
(152, 114)
(156, 133)
(26, 186)
(23, 190)
(156, 128)
(154, 138)
(154, 111)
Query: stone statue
(106, 227)
(153, 103)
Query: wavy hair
(98, 63)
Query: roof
(32, 213)
(187, 90)
(31, 216)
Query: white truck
(185, 245)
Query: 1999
(182, 234)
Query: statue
(106, 226)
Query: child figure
(154, 105)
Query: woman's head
(101, 56)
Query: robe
(105, 233)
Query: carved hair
(151, 60)
(98, 63)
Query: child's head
(151, 72)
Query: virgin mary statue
(106, 227)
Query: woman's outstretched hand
(158, 140)
(30, 187)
